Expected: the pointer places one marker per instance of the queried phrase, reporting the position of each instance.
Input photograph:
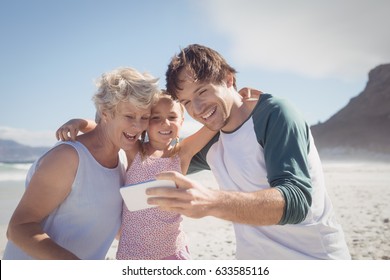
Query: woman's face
(127, 124)
(165, 122)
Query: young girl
(153, 233)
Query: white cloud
(28, 137)
(321, 39)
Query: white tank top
(88, 220)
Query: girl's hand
(250, 93)
(69, 130)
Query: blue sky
(315, 53)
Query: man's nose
(196, 107)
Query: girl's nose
(165, 122)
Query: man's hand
(189, 198)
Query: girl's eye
(130, 117)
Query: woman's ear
(104, 115)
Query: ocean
(13, 171)
(12, 177)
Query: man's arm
(191, 199)
(284, 136)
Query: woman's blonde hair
(124, 85)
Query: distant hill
(14, 152)
(362, 127)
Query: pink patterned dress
(151, 234)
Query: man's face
(206, 102)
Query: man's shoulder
(272, 105)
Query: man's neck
(240, 111)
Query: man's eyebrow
(200, 87)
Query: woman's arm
(70, 129)
(44, 193)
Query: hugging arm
(193, 144)
(70, 129)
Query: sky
(317, 54)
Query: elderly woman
(71, 208)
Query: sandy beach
(360, 192)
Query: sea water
(13, 171)
(12, 178)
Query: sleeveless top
(88, 220)
(150, 233)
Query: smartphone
(135, 197)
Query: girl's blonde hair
(176, 148)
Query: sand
(360, 192)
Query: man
(264, 160)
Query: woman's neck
(99, 145)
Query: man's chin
(213, 126)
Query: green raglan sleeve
(284, 136)
(198, 161)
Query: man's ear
(229, 80)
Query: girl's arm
(70, 129)
(193, 144)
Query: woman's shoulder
(62, 152)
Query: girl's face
(127, 124)
(165, 122)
